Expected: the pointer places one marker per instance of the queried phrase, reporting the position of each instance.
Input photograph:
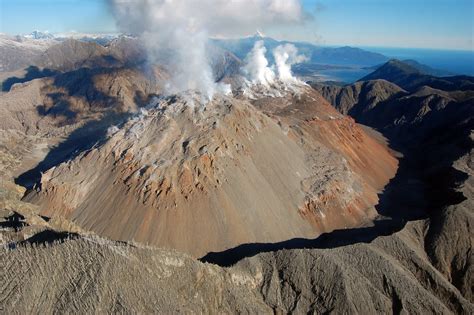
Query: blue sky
(447, 24)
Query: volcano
(235, 170)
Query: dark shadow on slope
(47, 237)
(61, 109)
(80, 140)
(80, 85)
(47, 219)
(14, 221)
(403, 191)
(32, 72)
(332, 239)
(75, 94)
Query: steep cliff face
(202, 179)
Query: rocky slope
(418, 269)
(207, 179)
(391, 274)
(347, 271)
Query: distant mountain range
(346, 56)
(342, 64)
(40, 35)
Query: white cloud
(224, 17)
(175, 31)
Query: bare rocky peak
(225, 173)
(68, 54)
(72, 54)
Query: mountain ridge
(410, 78)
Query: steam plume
(256, 68)
(175, 32)
(286, 56)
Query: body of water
(349, 75)
(455, 61)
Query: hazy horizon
(387, 23)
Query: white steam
(256, 66)
(286, 56)
(257, 71)
(175, 32)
